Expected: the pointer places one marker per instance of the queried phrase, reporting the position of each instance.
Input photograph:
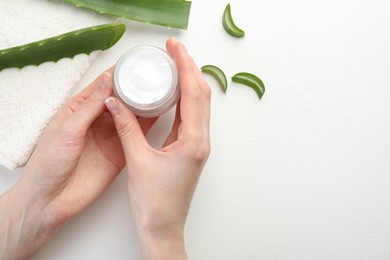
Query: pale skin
(86, 145)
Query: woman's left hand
(77, 157)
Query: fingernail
(105, 80)
(112, 106)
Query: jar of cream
(146, 80)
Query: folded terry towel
(30, 96)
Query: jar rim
(160, 106)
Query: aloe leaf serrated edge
(170, 13)
(66, 45)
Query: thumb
(128, 128)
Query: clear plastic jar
(146, 80)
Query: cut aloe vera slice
(218, 74)
(251, 81)
(229, 25)
(67, 45)
(170, 13)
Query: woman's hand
(162, 182)
(77, 157)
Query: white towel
(29, 97)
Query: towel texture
(30, 96)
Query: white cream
(145, 79)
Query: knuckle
(125, 128)
(94, 98)
(199, 152)
(207, 91)
(197, 96)
(75, 103)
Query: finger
(129, 130)
(207, 103)
(78, 100)
(191, 93)
(91, 87)
(172, 137)
(146, 123)
(195, 70)
(93, 106)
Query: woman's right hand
(162, 182)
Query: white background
(302, 174)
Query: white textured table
(302, 174)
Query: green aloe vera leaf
(67, 45)
(251, 81)
(170, 13)
(229, 25)
(218, 74)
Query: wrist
(156, 245)
(24, 230)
